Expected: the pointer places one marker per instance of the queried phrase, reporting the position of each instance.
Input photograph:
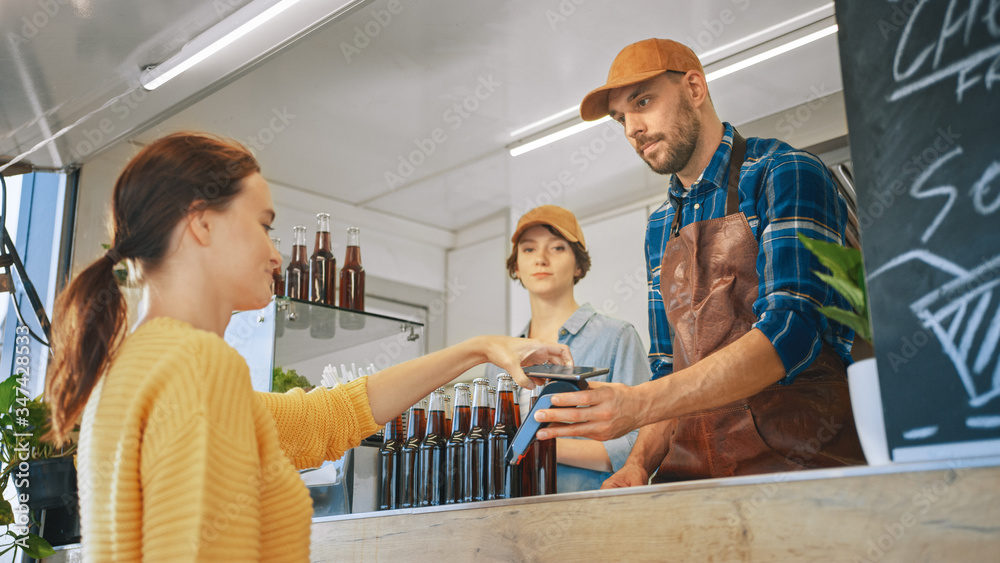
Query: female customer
(179, 458)
(549, 257)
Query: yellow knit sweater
(180, 460)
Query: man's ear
(696, 88)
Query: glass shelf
(305, 336)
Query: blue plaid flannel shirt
(783, 191)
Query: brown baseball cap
(635, 63)
(557, 217)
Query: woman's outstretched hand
(510, 354)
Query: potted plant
(43, 476)
(847, 277)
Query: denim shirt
(597, 341)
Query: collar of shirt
(714, 175)
(573, 324)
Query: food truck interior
(432, 127)
(401, 117)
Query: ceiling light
(529, 144)
(573, 126)
(771, 53)
(212, 41)
(564, 113)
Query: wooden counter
(936, 511)
(942, 511)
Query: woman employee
(179, 459)
(549, 257)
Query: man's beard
(681, 145)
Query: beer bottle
(455, 467)
(543, 459)
(447, 411)
(493, 405)
(504, 479)
(322, 267)
(322, 264)
(297, 279)
(409, 484)
(433, 453)
(389, 465)
(476, 460)
(517, 403)
(352, 274)
(276, 275)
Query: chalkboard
(922, 91)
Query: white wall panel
(616, 283)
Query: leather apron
(708, 278)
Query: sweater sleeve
(196, 451)
(322, 424)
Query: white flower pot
(866, 401)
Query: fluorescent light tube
(771, 53)
(536, 125)
(735, 67)
(553, 137)
(153, 78)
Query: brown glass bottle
(297, 280)
(455, 465)
(433, 453)
(276, 274)
(322, 264)
(322, 269)
(389, 460)
(476, 458)
(352, 282)
(409, 482)
(493, 406)
(517, 403)
(542, 454)
(504, 479)
(529, 472)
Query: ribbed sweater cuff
(357, 393)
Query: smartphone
(565, 373)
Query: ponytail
(92, 316)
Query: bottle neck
(415, 423)
(352, 256)
(462, 414)
(353, 236)
(391, 431)
(505, 402)
(480, 406)
(435, 415)
(322, 243)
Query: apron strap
(735, 163)
(736, 159)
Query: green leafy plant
(23, 423)
(282, 380)
(846, 277)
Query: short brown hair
(579, 253)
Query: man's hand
(630, 475)
(606, 411)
